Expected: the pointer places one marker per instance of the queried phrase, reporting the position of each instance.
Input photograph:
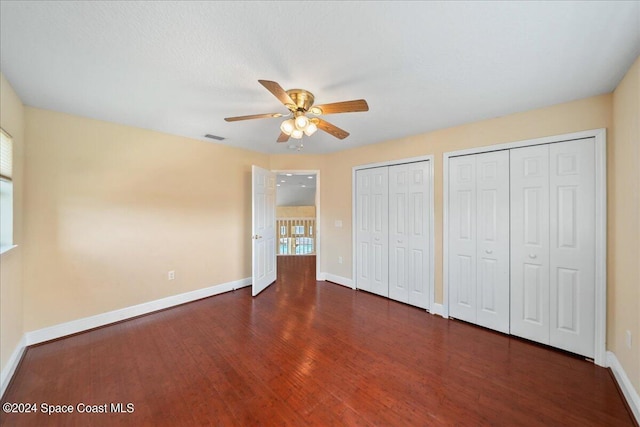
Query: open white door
(263, 237)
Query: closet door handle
(533, 256)
(399, 241)
(489, 251)
(377, 239)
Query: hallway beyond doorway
(296, 271)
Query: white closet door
(530, 242)
(462, 238)
(419, 235)
(372, 251)
(409, 188)
(492, 237)
(572, 222)
(363, 231)
(398, 233)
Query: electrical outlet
(339, 260)
(629, 339)
(171, 275)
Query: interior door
(492, 226)
(409, 233)
(462, 238)
(263, 248)
(372, 235)
(572, 221)
(363, 232)
(419, 220)
(530, 242)
(398, 233)
(380, 231)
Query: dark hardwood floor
(309, 353)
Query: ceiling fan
(300, 103)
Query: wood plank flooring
(307, 353)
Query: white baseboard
(12, 364)
(437, 309)
(337, 279)
(80, 325)
(629, 391)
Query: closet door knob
(533, 256)
(399, 241)
(489, 251)
(377, 239)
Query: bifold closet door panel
(399, 233)
(462, 238)
(492, 240)
(529, 182)
(419, 233)
(572, 255)
(409, 234)
(372, 210)
(363, 231)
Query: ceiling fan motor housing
(302, 98)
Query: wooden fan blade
(283, 137)
(331, 129)
(253, 116)
(354, 106)
(278, 92)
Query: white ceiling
(296, 189)
(294, 180)
(181, 67)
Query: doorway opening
(297, 213)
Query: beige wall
(623, 262)
(111, 209)
(295, 211)
(11, 287)
(590, 113)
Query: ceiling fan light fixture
(316, 110)
(302, 122)
(310, 129)
(287, 126)
(296, 134)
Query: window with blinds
(6, 156)
(6, 191)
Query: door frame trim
(429, 158)
(600, 136)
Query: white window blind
(6, 156)
(6, 191)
